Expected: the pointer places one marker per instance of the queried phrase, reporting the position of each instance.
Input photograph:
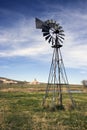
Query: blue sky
(25, 55)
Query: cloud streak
(24, 40)
(31, 51)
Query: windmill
(54, 34)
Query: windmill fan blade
(61, 31)
(61, 37)
(50, 39)
(46, 33)
(47, 37)
(61, 34)
(60, 40)
(60, 27)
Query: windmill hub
(56, 31)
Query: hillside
(9, 81)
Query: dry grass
(21, 109)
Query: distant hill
(9, 81)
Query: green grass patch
(23, 111)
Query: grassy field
(21, 109)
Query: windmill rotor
(54, 31)
(51, 31)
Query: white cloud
(25, 40)
(75, 56)
(30, 51)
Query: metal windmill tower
(57, 79)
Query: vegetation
(84, 82)
(22, 110)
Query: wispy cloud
(24, 40)
(30, 51)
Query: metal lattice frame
(57, 79)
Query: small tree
(84, 82)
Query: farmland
(20, 109)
